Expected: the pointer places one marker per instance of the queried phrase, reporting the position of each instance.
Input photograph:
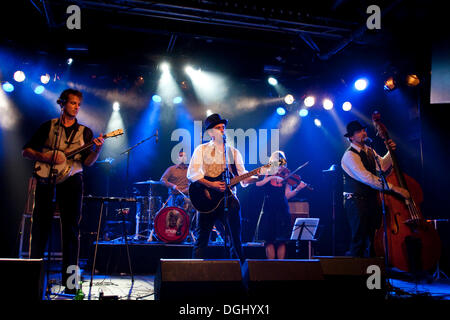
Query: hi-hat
(148, 182)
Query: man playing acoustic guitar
(208, 160)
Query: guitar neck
(238, 179)
(78, 150)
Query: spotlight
(317, 122)
(272, 81)
(346, 106)
(289, 99)
(116, 106)
(303, 112)
(164, 67)
(45, 78)
(156, 98)
(8, 87)
(208, 112)
(69, 61)
(188, 69)
(177, 100)
(390, 84)
(361, 84)
(19, 76)
(39, 89)
(281, 111)
(309, 101)
(412, 80)
(327, 104)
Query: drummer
(175, 179)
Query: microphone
(367, 141)
(156, 136)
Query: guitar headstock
(379, 126)
(114, 133)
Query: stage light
(208, 113)
(346, 106)
(289, 99)
(69, 61)
(39, 89)
(164, 67)
(281, 111)
(412, 80)
(317, 122)
(156, 98)
(390, 84)
(272, 81)
(19, 76)
(8, 87)
(327, 104)
(303, 112)
(361, 84)
(309, 101)
(177, 100)
(116, 106)
(45, 78)
(189, 70)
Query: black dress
(274, 223)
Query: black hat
(214, 120)
(352, 127)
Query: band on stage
(202, 193)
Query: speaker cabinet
(361, 278)
(22, 279)
(197, 279)
(283, 279)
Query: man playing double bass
(361, 186)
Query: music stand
(298, 234)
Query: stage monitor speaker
(362, 278)
(199, 280)
(22, 279)
(283, 279)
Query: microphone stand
(52, 182)
(225, 199)
(128, 157)
(383, 192)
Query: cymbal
(148, 182)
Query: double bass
(413, 242)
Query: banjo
(60, 172)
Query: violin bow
(293, 172)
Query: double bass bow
(413, 242)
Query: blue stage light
(8, 87)
(361, 84)
(281, 111)
(39, 89)
(156, 98)
(346, 106)
(177, 100)
(317, 122)
(303, 112)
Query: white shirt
(351, 163)
(208, 160)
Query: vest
(77, 141)
(354, 186)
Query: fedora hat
(352, 127)
(214, 120)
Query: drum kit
(156, 220)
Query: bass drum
(172, 225)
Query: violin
(291, 179)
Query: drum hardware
(103, 200)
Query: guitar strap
(72, 135)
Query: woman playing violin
(274, 223)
